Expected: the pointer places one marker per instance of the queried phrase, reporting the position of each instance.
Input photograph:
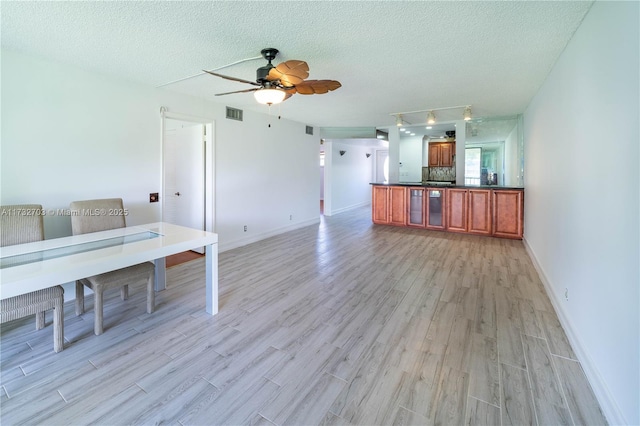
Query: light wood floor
(345, 323)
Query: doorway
(188, 171)
(322, 181)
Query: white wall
(512, 161)
(68, 134)
(411, 159)
(582, 211)
(348, 176)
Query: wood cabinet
(508, 214)
(416, 207)
(456, 210)
(479, 211)
(482, 211)
(397, 205)
(388, 205)
(380, 204)
(434, 155)
(435, 208)
(441, 154)
(447, 151)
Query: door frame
(209, 163)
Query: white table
(42, 264)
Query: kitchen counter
(490, 210)
(446, 185)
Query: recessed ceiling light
(407, 131)
(429, 127)
(413, 134)
(402, 129)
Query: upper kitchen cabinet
(447, 151)
(441, 154)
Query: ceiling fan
(275, 84)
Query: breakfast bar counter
(489, 210)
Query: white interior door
(184, 174)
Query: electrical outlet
(153, 197)
(566, 294)
(245, 228)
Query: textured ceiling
(389, 56)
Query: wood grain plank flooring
(341, 323)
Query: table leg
(160, 281)
(211, 276)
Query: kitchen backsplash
(439, 173)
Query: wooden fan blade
(290, 73)
(238, 91)
(290, 91)
(317, 87)
(232, 78)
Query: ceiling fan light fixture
(431, 118)
(399, 120)
(269, 96)
(467, 113)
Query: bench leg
(79, 298)
(58, 327)
(40, 320)
(124, 292)
(98, 311)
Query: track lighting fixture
(431, 118)
(399, 120)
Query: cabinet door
(508, 213)
(415, 203)
(397, 205)
(435, 208)
(456, 200)
(447, 151)
(479, 211)
(434, 155)
(380, 204)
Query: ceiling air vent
(234, 114)
(309, 130)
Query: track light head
(399, 120)
(467, 113)
(431, 118)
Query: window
(472, 157)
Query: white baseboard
(610, 408)
(230, 245)
(346, 209)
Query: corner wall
(582, 210)
(348, 176)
